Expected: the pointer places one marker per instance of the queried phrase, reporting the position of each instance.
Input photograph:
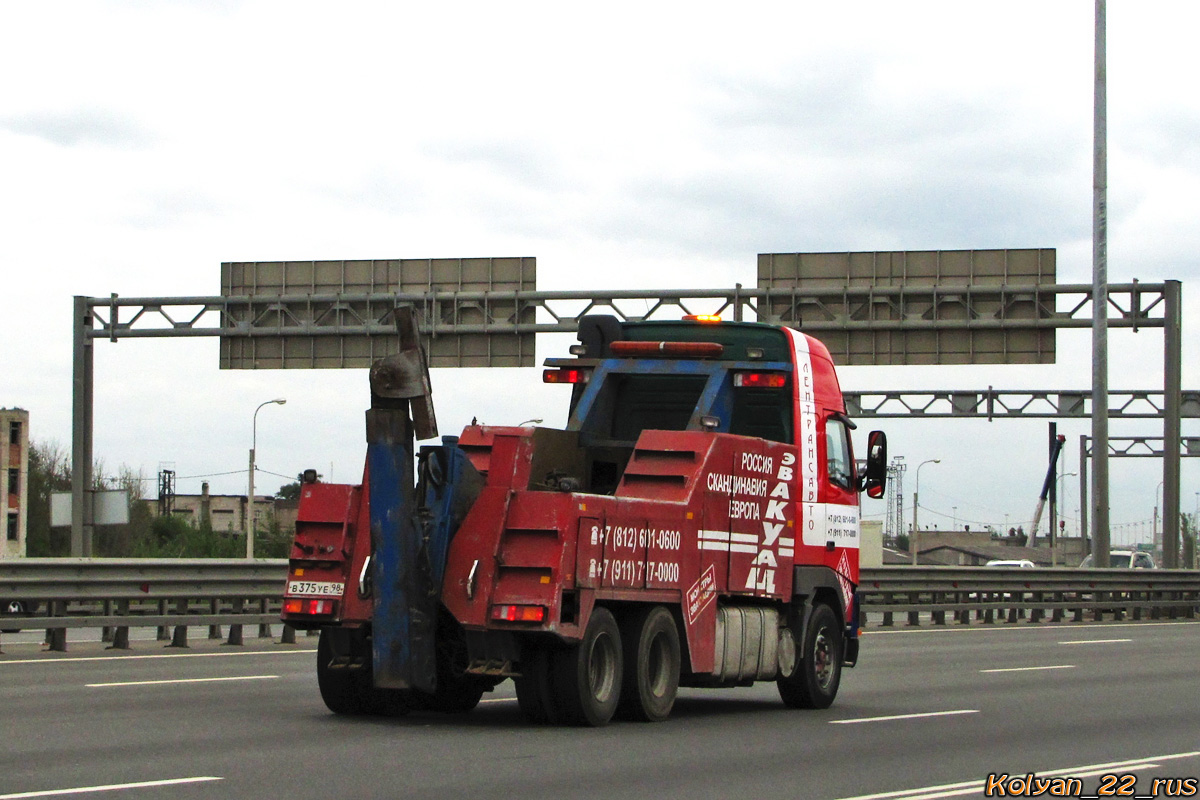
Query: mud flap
(850, 641)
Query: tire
(586, 678)
(814, 683)
(12, 608)
(353, 691)
(457, 692)
(339, 686)
(382, 702)
(454, 695)
(650, 680)
(535, 694)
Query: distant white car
(1018, 562)
(1125, 559)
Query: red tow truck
(695, 524)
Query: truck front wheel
(814, 682)
(650, 641)
(587, 677)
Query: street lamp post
(916, 494)
(1158, 551)
(249, 521)
(1054, 534)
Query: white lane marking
(1051, 627)
(968, 786)
(184, 680)
(976, 787)
(112, 787)
(1132, 767)
(904, 716)
(69, 660)
(499, 700)
(1029, 669)
(1096, 641)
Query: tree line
(145, 535)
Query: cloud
(99, 127)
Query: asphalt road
(928, 713)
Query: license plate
(315, 589)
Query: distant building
(226, 513)
(975, 548)
(14, 480)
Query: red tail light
(702, 317)
(304, 605)
(759, 380)
(566, 375)
(519, 613)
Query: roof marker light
(702, 317)
(667, 349)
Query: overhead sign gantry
(870, 308)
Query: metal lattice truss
(490, 317)
(1004, 403)
(1142, 446)
(890, 308)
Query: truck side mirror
(875, 477)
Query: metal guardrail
(117, 594)
(139, 578)
(990, 593)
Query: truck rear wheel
(652, 658)
(353, 691)
(339, 686)
(587, 677)
(383, 702)
(457, 691)
(535, 694)
(454, 696)
(814, 682)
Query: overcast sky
(648, 145)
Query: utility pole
(1100, 538)
(912, 540)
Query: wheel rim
(823, 666)
(659, 676)
(602, 668)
